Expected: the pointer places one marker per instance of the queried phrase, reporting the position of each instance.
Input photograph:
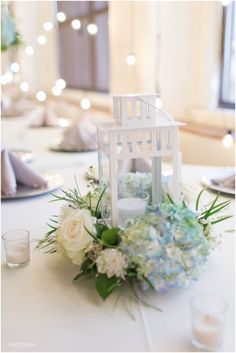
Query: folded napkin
(14, 172)
(44, 116)
(81, 136)
(142, 165)
(17, 107)
(226, 181)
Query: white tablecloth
(42, 310)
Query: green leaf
(110, 236)
(100, 228)
(184, 204)
(88, 267)
(213, 204)
(99, 201)
(169, 198)
(198, 198)
(221, 219)
(105, 286)
(149, 282)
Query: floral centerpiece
(166, 247)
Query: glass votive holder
(131, 206)
(17, 247)
(208, 321)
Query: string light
(76, 24)
(63, 122)
(228, 139)
(15, 67)
(24, 86)
(48, 26)
(41, 39)
(61, 83)
(56, 91)
(92, 29)
(85, 103)
(29, 50)
(7, 78)
(61, 16)
(131, 59)
(41, 96)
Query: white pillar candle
(208, 330)
(129, 208)
(18, 254)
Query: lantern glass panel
(104, 174)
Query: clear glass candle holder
(208, 321)
(17, 247)
(131, 206)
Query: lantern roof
(134, 111)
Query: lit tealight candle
(208, 314)
(129, 208)
(207, 330)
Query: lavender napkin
(14, 172)
(226, 181)
(81, 136)
(44, 116)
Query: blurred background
(69, 57)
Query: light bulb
(76, 24)
(56, 91)
(63, 122)
(131, 59)
(41, 96)
(29, 50)
(85, 103)
(15, 67)
(92, 29)
(61, 83)
(3, 80)
(24, 86)
(48, 26)
(6, 78)
(41, 39)
(61, 16)
(228, 139)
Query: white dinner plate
(54, 181)
(57, 148)
(24, 155)
(206, 180)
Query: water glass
(208, 321)
(17, 247)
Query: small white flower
(112, 262)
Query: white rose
(73, 236)
(112, 262)
(65, 212)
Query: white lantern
(139, 132)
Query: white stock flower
(112, 262)
(73, 236)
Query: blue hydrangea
(166, 246)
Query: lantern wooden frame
(138, 131)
